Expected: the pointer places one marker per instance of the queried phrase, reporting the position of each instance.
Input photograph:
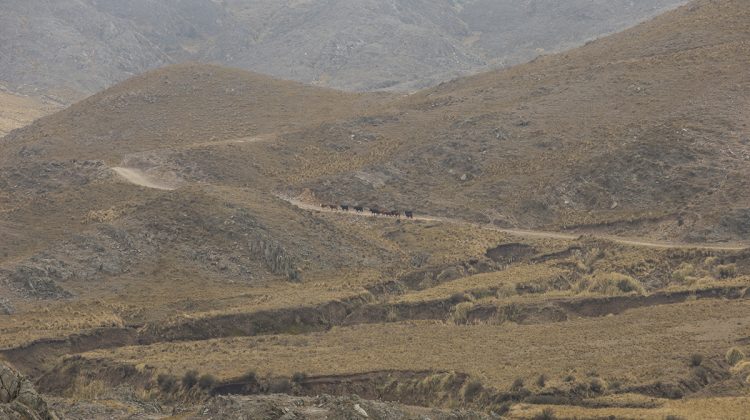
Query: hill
(18, 111)
(69, 49)
(640, 132)
(578, 240)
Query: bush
(460, 312)
(546, 414)
(190, 379)
(472, 389)
(517, 385)
(696, 360)
(541, 381)
(167, 383)
(701, 374)
(206, 382)
(725, 271)
(597, 386)
(613, 283)
(734, 356)
(684, 274)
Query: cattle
(359, 209)
(395, 213)
(333, 207)
(409, 214)
(375, 211)
(345, 207)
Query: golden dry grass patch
(645, 344)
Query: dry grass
(698, 408)
(18, 111)
(664, 337)
(504, 281)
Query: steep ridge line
(528, 233)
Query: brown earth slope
(144, 234)
(644, 131)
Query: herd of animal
(374, 211)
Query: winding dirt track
(532, 233)
(137, 177)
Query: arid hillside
(18, 111)
(566, 238)
(72, 48)
(644, 131)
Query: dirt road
(533, 233)
(137, 177)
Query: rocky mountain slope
(164, 243)
(69, 49)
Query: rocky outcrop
(18, 398)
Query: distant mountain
(72, 48)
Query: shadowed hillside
(69, 49)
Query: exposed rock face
(18, 398)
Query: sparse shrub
(472, 390)
(460, 312)
(541, 381)
(612, 284)
(190, 379)
(517, 385)
(206, 382)
(167, 383)
(299, 377)
(684, 274)
(569, 378)
(741, 367)
(710, 261)
(725, 271)
(696, 360)
(734, 356)
(546, 414)
(596, 385)
(701, 374)
(279, 386)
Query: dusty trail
(532, 233)
(137, 177)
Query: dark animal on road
(333, 207)
(359, 209)
(375, 211)
(345, 207)
(409, 214)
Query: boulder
(18, 398)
